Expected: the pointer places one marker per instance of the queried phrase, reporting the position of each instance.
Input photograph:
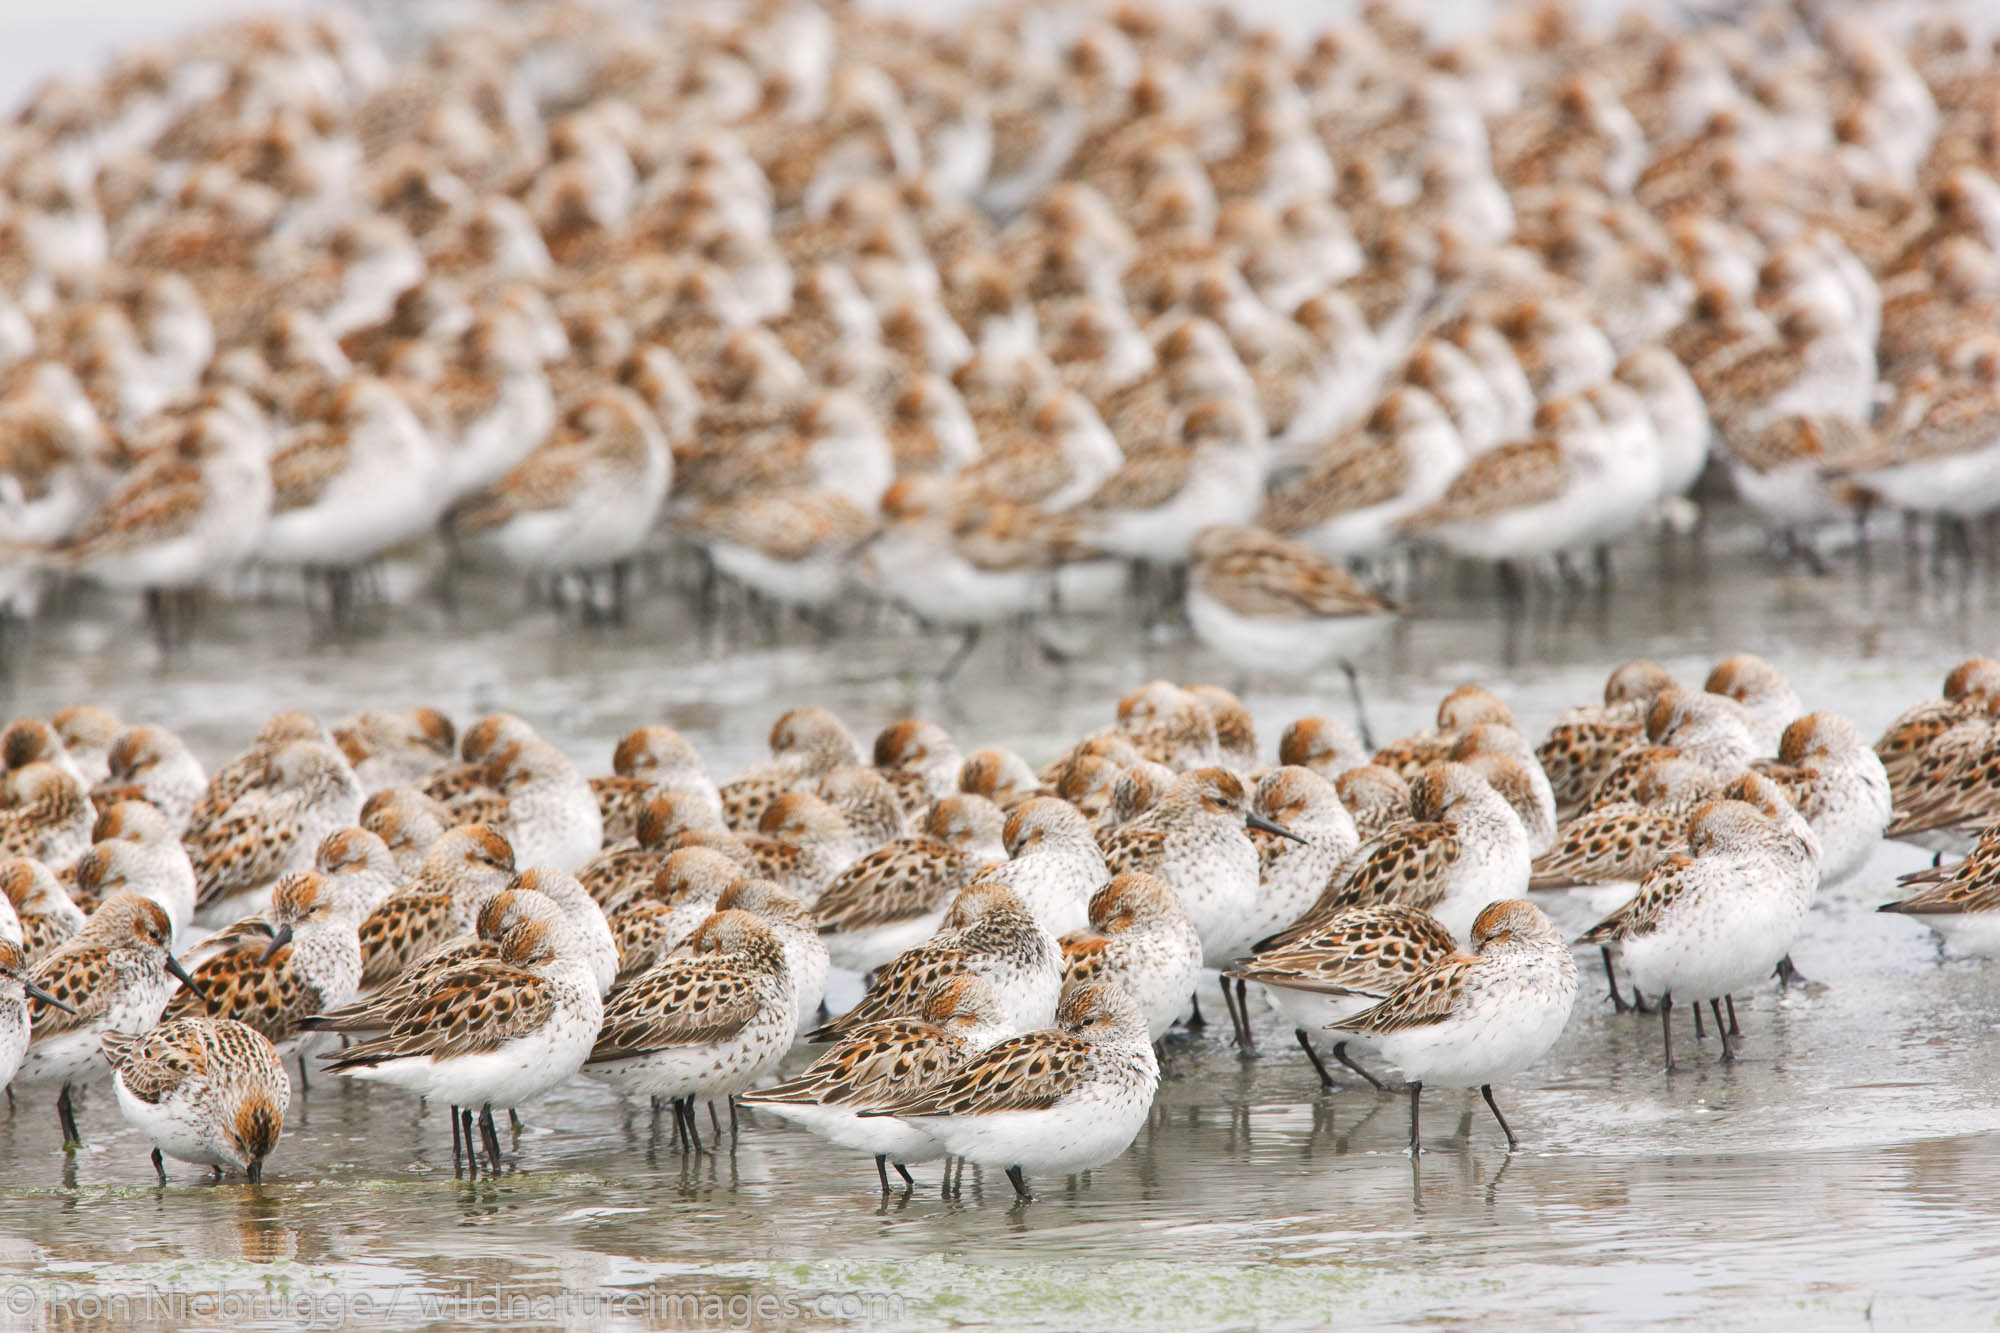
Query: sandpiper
(136, 852)
(302, 958)
(151, 764)
(461, 871)
(16, 1024)
(648, 762)
(1960, 902)
(1465, 848)
(504, 1030)
(1054, 863)
(885, 1062)
(1714, 920)
(395, 749)
(990, 932)
(114, 975)
(1141, 938)
(656, 918)
(41, 911)
(309, 791)
(895, 897)
(1839, 785)
(1195, 840)
(210, 1091)
(703, 1026)
(1351, 961)
(1276, 607)
(791, 921)
(1062, 1099)
(1292, 873)
(1472, 1019)
(51, 818)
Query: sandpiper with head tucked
(1141, 938)
(1067, 1098)
(708, 1025)
(884, 1062)
(1472, 1019)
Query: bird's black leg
(1020, 1185)
(66, 1113)
(471, 1144)
(1246, 1038)
(159, 1166)
(1325, 1079)
(961, 654)
(490, 1134)
(1416, 1137)
(1618, 1004)
(1235, 1019)
(1728, 1046)
(1360, 713)
(1340, 1054)
(1667, 1027)
(1486, 1091)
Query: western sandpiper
(504, 1030)
(989, 932)
(1062, 1099)
(210, 1091)
(1141, 938)
(1348, 963)
(703, 1026)
(114, 975)
(895, 897)
(886, 1062)
(1715, 919)
(1470, 1020)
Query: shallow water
(1844, 1172)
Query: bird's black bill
(180, 973)
(279, 939)
(36, 992)
(1259, 822)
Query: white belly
(1074, 1136)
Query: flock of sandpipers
(472, 920)
(967, 315)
